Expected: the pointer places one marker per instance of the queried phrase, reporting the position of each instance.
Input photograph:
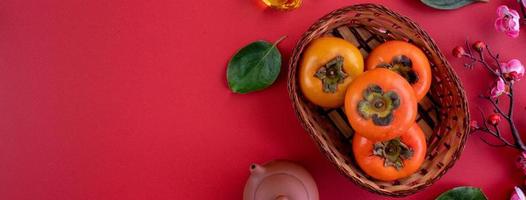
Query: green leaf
(449, 4)
(463, 193)
(254, 67)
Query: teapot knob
(257, 169)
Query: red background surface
(128, 99)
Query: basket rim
(293, 96)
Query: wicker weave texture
(443, 113)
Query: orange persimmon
(328, 66)
(393, 159)
(407, 60)
(380, 104)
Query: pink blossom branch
(514, 131)
(495, 132)
(496, 106)
(480, 59)
(521, 2)
(507, 79)
(495, 58)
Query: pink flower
(513, 65)
(521, 162)
(517, 194)
(507, 21)
(499, 88)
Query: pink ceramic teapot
(280, 180)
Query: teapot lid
(280, 180)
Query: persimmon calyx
(394, 152)
(402, 65)
(378, 106)
(331, 74)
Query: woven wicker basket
(443, 113)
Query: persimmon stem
(279, 40)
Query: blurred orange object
(283, 4)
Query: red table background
(128, 99)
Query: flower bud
(473, 125)
(459, 52)
(479, 46)
(494, 119)
(513, 75)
